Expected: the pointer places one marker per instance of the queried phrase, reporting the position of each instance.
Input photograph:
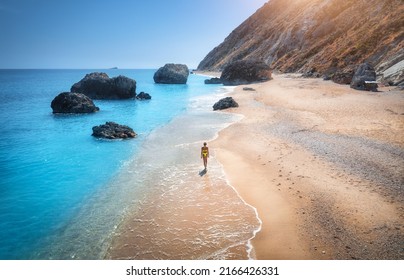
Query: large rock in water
(245, 72)
(225, 103)
(73, 103)
(364, 78)
(172, 74)
(99, 86)
(112, 130)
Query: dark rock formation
(73, 103)
(111, 130)
(225, 103)
(245, 72)
(248, 89)
(143, 96)
(213, 81)
(312, 73)
(99, 86)
(343, 77)
(364, 78)
(297, 36)
(172, 74)
(400, 86)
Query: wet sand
(323, 165)
(180, 210)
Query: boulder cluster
(99, 86)
(213, 81)
(364, 78)
(94, 86)
(245, 72)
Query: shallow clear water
(186, 212)
(52, 169)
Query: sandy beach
(312, 170)
(323, 165)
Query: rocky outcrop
(213, 81)
(297, 36)
(99, 86)
(143, 96)
(394, 75)
(364, 78)
(112, 130)
(343, 77)
(225, 103)
(172, 74)
(73, 103)
(245, 72)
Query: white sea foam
(169, 208)
(190, 220)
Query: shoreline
(290, 127)
(293, 126)
(182, 215)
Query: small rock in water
(111, 130)
(143, 96)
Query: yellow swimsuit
(204, 152)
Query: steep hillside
(325, 35)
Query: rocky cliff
(319, 35)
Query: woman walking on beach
(205, 154)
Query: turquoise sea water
(50, 165)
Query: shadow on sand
(203, 172)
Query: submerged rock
(73, 103)
(364, 78)
(98, 85)
(245, 72)
(225, 103)
(112, 130)
(172, 74)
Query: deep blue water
(50, 165)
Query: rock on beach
(73, 103)
(342, 77)
(213, 81)
(225, 103)
(364, 78)
(172, 74)
(112, 130)
(98, 85)
(245, 72)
